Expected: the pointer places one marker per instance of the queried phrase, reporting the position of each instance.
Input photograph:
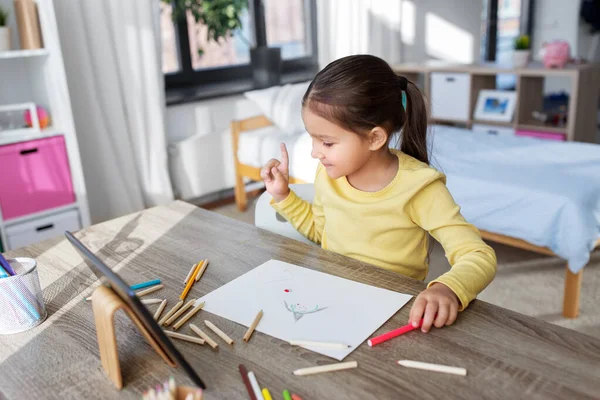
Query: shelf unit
(583, 94)
(38, 76)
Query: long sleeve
(473, 262)
(307, 218)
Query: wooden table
(507, 355)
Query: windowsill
(177, 96)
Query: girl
(378, 204)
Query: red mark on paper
(287, 290)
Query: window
(288, 24)
(503, 21)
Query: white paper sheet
(302, 304)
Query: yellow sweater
(389, 228)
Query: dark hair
(361, 92)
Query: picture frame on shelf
(12, 119)
(495, 105)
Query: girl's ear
(377, 138)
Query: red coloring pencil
(244, 373)
(392, 334)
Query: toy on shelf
(42, 115)
(556, 54)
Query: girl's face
(340, 151)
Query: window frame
(187, 76)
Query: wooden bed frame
(572, 290)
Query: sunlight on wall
(408, 22)
(446, 41)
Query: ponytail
(414, 131)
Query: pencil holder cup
(21, 301)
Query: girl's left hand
(438, 299)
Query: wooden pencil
(179, 312)
(149, 290)
(326, 368)
(160, 309)
(253, 326)
(202, 269)
(204, 336)
(219, 332)
(187, 278)
(191, 281)
(187, 316)
(171, 312)
(187, 338)
(151, 301)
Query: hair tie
(403, 82)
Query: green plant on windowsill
(522, 42)
(3, 16)
(222, 18)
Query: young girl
(376, 204)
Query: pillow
(282, 105)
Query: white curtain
(111, 50)
(359, 27)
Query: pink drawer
(542, 135)
(34, 176)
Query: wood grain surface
(507, 355)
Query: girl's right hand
(276, 176)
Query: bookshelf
(38, 76)
(584, 92)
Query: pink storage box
(34, 176)
(541, 135)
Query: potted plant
(522, 52)
(4, 30)
(222, 19)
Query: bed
(538, 195)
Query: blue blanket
(541, 191)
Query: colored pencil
(286, 395)
(319, 344)
(253, 326)
(187, 338)
(219, 332)
(202, 269)
(191, 281)
(151, 301)
(266, 394)
(149, 290)
(6, 265)
(187, 316)
(433, 367)
(145, 284)
(296, 397)
(326, 368)
(244, 373)
(255, 386)
(187, 277)
(204, 336)
(160, 309)
(392, 334)
(171, 312)
(179, 312)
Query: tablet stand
(105, 304)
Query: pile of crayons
(169, 391)
(254, 390)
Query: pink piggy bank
(556, 54)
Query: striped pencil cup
(21, 301)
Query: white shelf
(16, 136)
(23, 53)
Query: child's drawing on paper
(300, 311)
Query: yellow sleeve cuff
(456, 287)
(283, 204)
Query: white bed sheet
(541, 191)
